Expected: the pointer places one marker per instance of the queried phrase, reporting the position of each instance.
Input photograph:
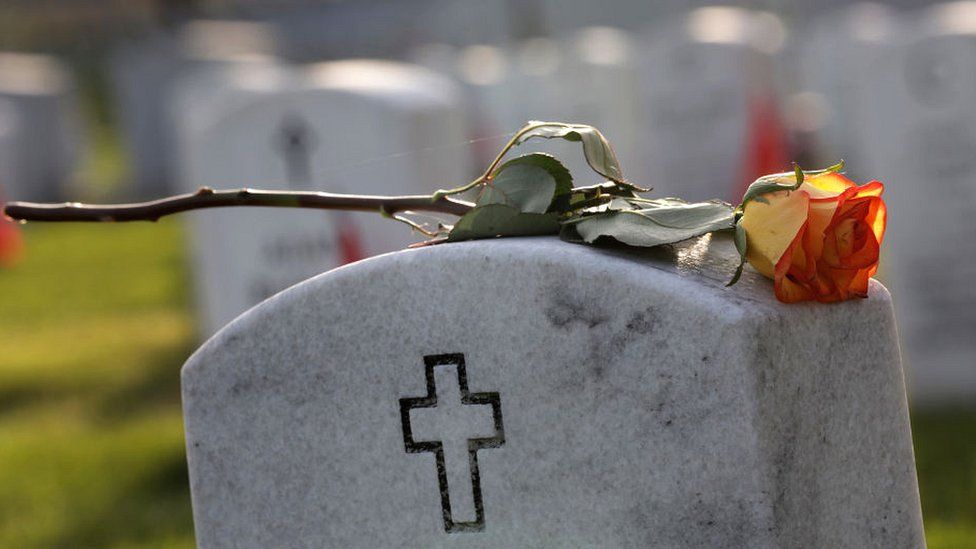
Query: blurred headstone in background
(358, 126)
(484, 73)
(9, 126)
(837, 54)
(41, 127)
(144, 73)
(386, 128)
(603, 84)
(588, 77)
(711, 102)
(923, 141)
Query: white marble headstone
(533, 393)
(41, 125)
(364, 127)
(924, 147)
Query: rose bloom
(820, 242)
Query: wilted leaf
(678, 214)
(492, 220)
(597, 150)
(741, 246)
(671, 222)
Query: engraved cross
(453, 424)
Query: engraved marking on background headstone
(451, 423)
(296, 142)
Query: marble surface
(533, 393)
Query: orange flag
(350, 247)
(11, 245)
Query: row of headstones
(601, 84)
(696, 85)
(875, 92)
(538, 393)
(242, 119)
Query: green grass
(945, 454)
(94, 325)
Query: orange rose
(820, 241)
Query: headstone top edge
(393, 79)
(752, 298)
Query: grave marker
(529, 392)
(366, 127)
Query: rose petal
(785, 280)
(771, 228)
(867, 254)
(789, 291)
(826, 185)
(873, 188)
(859, 286)
(877, 218)
(820, 216)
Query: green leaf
(529, 183)
(492, 220)
(836, 168)
(784, 181)
(671, 221)
(760, 187)
(740, 246)
(597, 150)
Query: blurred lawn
(94, 326)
